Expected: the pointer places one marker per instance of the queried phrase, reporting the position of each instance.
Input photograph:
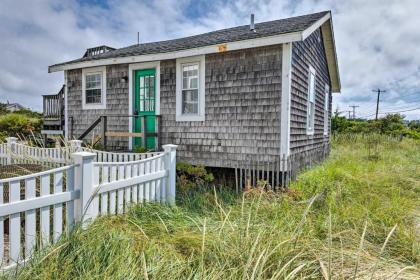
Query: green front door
(144, 105)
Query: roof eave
(331, 53)
(325, 23)
(228, 46)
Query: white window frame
(311, 103)
(326, 109)
(94, 70)
(200, 60)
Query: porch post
(104, 128)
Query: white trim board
(66, 113)
(52, 132)
(286, 81)
(131, 68)
(311, 29)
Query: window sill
(189, 118)
(93, 106)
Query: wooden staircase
(53, 114)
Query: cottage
(13, 107)
(253, 93)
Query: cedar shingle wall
(116, 99)
(242, 113)
(309, 52)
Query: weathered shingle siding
(242, 113)
(309, 52)
(116, 99)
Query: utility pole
(349, 112)
(379, 91)
(354, 110)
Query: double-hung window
(190, 89)
(326, 109)
(94, 88)
(310, 123)
(189, 95)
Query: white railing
(3, 154)
(13, 152)
(22, 153)
(102, 156)
(57, 198)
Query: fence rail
(102, 156)
(34, 199)
(36, 209)
(13, 152)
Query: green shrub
(13, 124)
(140, 149)
(192, 176)
(391, 124)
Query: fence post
(11, 141)
(86, 207)
(170, 165)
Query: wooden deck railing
(105, 133)
(53, 105)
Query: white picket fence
(13, 152)
(102, 156)
(3, 154)
(78, 192)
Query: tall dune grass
(353, 217)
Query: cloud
(377, 40)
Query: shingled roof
(150, 51)
(239, 33)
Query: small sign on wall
(222, 47)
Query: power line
(400, 107)
(408, 110)
(393, 112)
(379, 91)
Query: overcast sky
(378, 41)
